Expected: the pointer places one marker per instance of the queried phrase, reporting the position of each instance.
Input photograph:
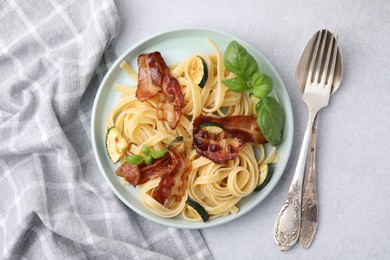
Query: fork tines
(326, 44)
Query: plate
(176, 45)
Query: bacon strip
(139, 174)
(154, 79)
(150, 76)
(173, 168)
(172, 186)
(224, 146)
(243, 127)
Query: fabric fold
(54, 202)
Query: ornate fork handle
(288, 222)
(309, 197)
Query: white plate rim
(281, 94)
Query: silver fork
(316, 96)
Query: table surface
(353, 137)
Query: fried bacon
(139, 174)
(173, 169)
(154, 79)
(173, 185)
(224, 146)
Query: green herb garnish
(134, 159)
(138, 159)
(148, 159)
(145, 149)
(158, 154)
(150, 154)
(270, 115)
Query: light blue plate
(174, 46)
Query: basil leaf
(134, 159)
(270, 115)
(145, 149)
(239, 61)
(270, 118)
(148, 159)
(236, 84)
(158, 154)
(262, 85)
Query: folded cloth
(54, 202)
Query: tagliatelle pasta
(216, 187)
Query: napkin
(54, 202)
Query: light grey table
(354, 133)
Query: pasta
(216, 187)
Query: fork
(316, 96)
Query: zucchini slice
(199, 71)
(198, 208)
(175, 141)
(211, 127)
(265, 176)
(115, 144)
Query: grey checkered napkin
(54, 203)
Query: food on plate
(195, 145)
(198, 208)
(221, 138)
(172, 166)
(155, 79)
(199, 71)
(115, 144)
(248, 77)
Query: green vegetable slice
(265, 176)
(199, 71)
(211, 127)
(198, 208)
(115, 144)
(174, 141)
(210, 124)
